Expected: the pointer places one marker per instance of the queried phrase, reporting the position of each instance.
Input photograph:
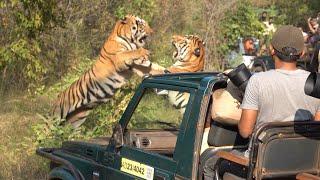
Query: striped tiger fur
(189, 55)
(121, 53)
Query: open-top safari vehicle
(171, 136)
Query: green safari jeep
(161, 133)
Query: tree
(23, 22)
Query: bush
(23, 22)
(244, 22)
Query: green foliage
(144, 8)
(22, 56)
(51, 133)
(150, 113)
(24, 22)
(243, 22)
(36, 16)
(298, 11)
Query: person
(264, 16)
(245, 54)
(248, 47)
(275, 95)
(269, 27)
(278, 95)
(313, 25)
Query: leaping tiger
(121, 53)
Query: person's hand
(309, 19)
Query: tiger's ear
(197, 52)
(124, 20)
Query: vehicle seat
(221, 137)
(229, 176)
(225, 108)
(225, 135)
(285, 152)
(281, 150)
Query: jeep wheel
(60, 173)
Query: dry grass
(17, 157)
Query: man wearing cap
(275, 95)
(278, 95)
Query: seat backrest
(225, 135)
(225, 108)
(284, 149)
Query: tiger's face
(136, 31)
(189, 52)
(187, 47)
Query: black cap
(288, 40)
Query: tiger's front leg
(125, 59)
(157, 69)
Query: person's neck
(289, 66)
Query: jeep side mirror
(312, 85)
(117, 136)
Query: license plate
(137, 169)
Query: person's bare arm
(317, 116)
(313, 31)
(247, 122)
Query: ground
(17, 157)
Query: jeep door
(154, 126)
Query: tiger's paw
(143, 53)
(143, 60)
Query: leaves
(146, 9)
(20, 53)
(243, 22)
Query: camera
(240, 76)
(312, 85)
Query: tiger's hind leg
(78, 117)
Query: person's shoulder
(274, 73)
(257, 77)
(265, 74)
(301, 71)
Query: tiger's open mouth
(143, 39)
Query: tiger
(121, 53)
(189, 56)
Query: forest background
(45, 45)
